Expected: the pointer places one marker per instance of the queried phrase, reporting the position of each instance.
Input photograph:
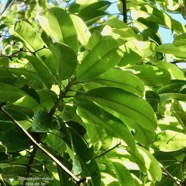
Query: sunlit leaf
(102, 57)
(117, 100)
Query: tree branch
(74, 177)
(61, 96)
(124, 11)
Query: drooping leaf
(102, 57)
(119, 101)
(121, 79)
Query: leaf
(58, 24)
(27, 34)
(147, 163)
(171, 49)
(41, 70)
(10, 93)
(123, 174)
(94, 11)
(83, 32)
(170, 96)
(152, 75)
(66, 60)
(168, 141)
(13, 138)
(94, 117)
(122, 79)
(41, 121)
(119, 101)
(102, 57)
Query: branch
(74, 177)
(117, 145)
(61, 96)
(124, 11)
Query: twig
(61, 96)
(74, 177)
(117, 145)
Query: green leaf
(152, 75)
(41, 121)
(13, 138)
(41, 70)
(119, 101)
(147, 163)
(123, 174)
(94, 11)
(171, 49)
(102, 57)
(27, 34)
(62, 30)
(66, 60)
(96, 118)
(83, 32)
(10, 93)
(170, 141)
(122, 79)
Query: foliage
(90, 99)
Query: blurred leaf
(170, 141)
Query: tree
(89, 97)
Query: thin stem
(76, 179)
(117, 145)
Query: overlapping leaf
(119, 101)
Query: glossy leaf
(102, 57)
(116, 100)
